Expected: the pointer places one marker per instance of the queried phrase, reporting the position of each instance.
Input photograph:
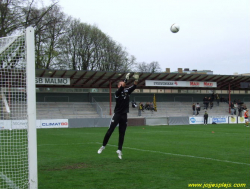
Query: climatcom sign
(54, 123)
(23, 124)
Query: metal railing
(97, 107)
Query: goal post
(18, 138)
(31, 108)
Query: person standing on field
(246, 118)
(205, 117)
(120, 113)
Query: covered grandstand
(71, 94)
(65, 94)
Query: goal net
(18, 153)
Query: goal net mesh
(14, 170)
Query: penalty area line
(182, 155)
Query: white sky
(214, 34)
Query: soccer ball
(174, 28)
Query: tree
(154, 67)
(148, 67)
(61, 41)
(48, 32)
(16, 15)
(86, 47)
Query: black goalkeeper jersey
(122, 99)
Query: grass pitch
(153, 157)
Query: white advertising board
(54, 123)
(5, 124)
(52, 81)
(22, 124)
(196, 120)
(232, 119)
(160, 83)
(241, 119)
(219, 119)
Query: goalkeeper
(120, 113)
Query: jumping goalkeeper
(120, 113)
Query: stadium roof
(102, 79)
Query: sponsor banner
(13, 124)
(54, 123)
(52, 81)
(232, 119)
(5, 124)
(241, 119)
(22, 124)
(196, 120)
(19, 124)
(219, 119)
(160, 83)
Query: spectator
(205, 117)
(147, 106)
(205, 102)
(244, 107)
(198, 108)
(193, 108)
(240, 109)
(143, 107)
(209, 102)
(232, 108)
(212, 97)
(211, 105)
(217, 99)
(134, 105)
(151, 106)
(140, 109)
(236, 109)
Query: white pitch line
(66, 144)
(182, 155)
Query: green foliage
(153, 157)
(61, 41)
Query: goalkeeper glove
(126, 78)
(136, 76)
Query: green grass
(153, 157)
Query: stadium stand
(86, 94)
(67, 110)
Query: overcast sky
(214, 34)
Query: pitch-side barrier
(104, 122)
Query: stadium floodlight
(18, 143)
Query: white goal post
(18, 138)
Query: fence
(97, 107)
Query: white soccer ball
(175, 28)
